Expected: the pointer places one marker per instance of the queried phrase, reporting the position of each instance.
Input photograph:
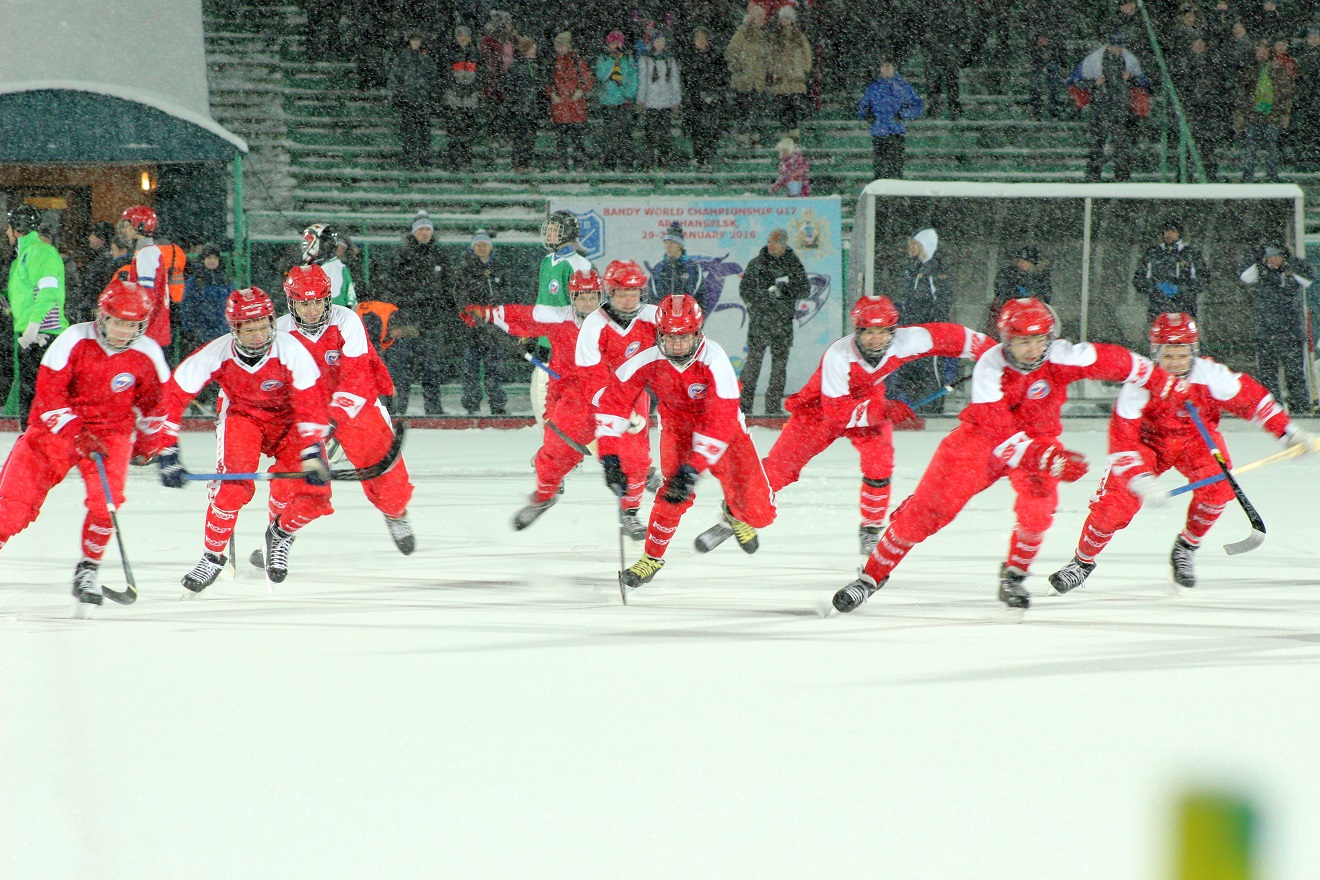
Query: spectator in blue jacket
(887, 103)
(202, 309)
(616, 79)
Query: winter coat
(96, 275)
(485, 284)
(1170, 276)
(1278, 298)
(411, 77)
(523, 86)
(616, 94)
(496, 58)
(659, 83)
(417, 281)
(748, 57)
(463, 79)
(1203, 90)
(705, 77)
(570, 82)
(789, 62)
(673, 277)
(36, 286)
(765, 306)
(202, 311)
(1112, 100)
(793, 167)
(887, 103)
(1012, 283)
(1247, 109)
(927, 291)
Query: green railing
(1190, 167)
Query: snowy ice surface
(487, 708)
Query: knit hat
(104, 231)
(1030, 253)
(1172, 222)
(615, 38)
(1117, 38)
(422, 220)
(675, 234)
(778, 235)
(209, 250)
(481, 235)
(1275, 250)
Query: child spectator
(794, 170)
(659, 95)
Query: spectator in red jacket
(569, 84)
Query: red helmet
(678, 328)
(250, 304)
(306, 284)
(141, 218)
(589, 280)
(1174, 328)
(124, 301)
(625, 274)
(1026, 317)
(874, 311)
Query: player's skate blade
(713, 537)
(1011, 590)
(532, 512)
(401, 533)
(1071, 576)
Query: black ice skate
(1011, 591)
(869, 536)
(1071, 576)
(204, 572)
(532, 512)
(401, 532)
(727, 528)
(86, 587)
(641, 572)
(632, 526)
(278, 544)
(1182, 567)
(853, 595)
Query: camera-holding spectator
(786, 73)
(479, 277)
(1278, 283)
(423, 328)
(567, 87)
(794, 170)
(462, 91)
(527, 104)
(659, 96)
(926, 297)
(748, 58)
(705, 83)
(411, 78)
(1110, 84)
(498, 47)
(1027, 277)
(616, 83)
(1171, 274)
(887, 103)
(1264, 107)
(677, 274)
(772, 284)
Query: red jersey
(83, 384)
(352, 371)
(604, 344)
(703, 396)
(285, 386)
(1164, 426)
(848, 392)
(559, 324)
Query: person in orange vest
(158, 268)
(376, 317)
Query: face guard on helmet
(307, 289)
(122, 313)
(624, 283)
(319, 242)
(24, 218)
(141, 218)
(1175, 342)
(251, 318)
(874, 319)
(1026, 328)
(584, 289)
(559, 229)
(678, 329)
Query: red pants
(739, 472)
(241, 441)
(574, 415)
(38, 462)
(964, 466)
(366, 439)
(804, 437)
(1114, 504)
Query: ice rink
(486, 708)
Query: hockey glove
(1051, 459)
(315, 466)
(614, 476)
(1144, 486)
(899, 412)
(1295, 436)
(86, 443)
(678, 488)
(172, 473)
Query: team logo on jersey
(271, 384)
(332, 357)
(1040, 388)
(122, 382)
(697, 390)
(632, 349)
(553, 287)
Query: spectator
(567, 87)
(788, 63)
(926, 297)
(202, 310)
(942, 46)
(1111, 83)
(659, 96)
(527, 103)
(371, 28)
(748, 58)
(1201, 86)
(886, 103)
(1025, 277)
(411, 76)
(1190, 26)
(98, 242)
(462, 90)
(1304, 132)
(1264, 104)
(1123, 19)
(772, 284)
(1278, 283)
(1239, 50)
(480, 278)
(1048, 64)
(1219, 21)
(677, 273)
(498, 47)
(95, 276)
(1266, 21)
(1171, 274)
(705, 80)
(425, 327)
(794, 171)
(616, 79)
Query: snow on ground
(486, 707)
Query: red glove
(86, 443)
(1051, 459)
(471, 314)
(899, 412)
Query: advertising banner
(722, 236)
